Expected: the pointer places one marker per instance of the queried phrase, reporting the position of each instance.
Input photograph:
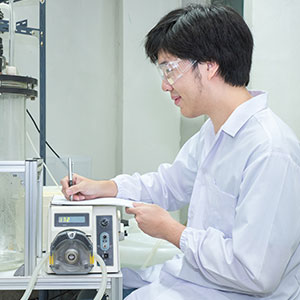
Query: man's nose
(166, 86)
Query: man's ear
(212, 69)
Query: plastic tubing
(34, 276)
(36, 271)
(46, 167)
(102, 289)
(152, 253)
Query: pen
(70, 174)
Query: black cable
(37, 128)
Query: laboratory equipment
(14, 90)
(21, 215)
(77, 232)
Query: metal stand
(33, 214)
(43, 83)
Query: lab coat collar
(244, 112)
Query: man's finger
(131, 210)
(64, 182)
(74, 189)
(138, 204)
(135, 208)
(78, 197)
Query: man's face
(187, 89)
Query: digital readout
(71, 219)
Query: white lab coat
(243, 231)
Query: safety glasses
(173, 70)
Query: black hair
(206, 34)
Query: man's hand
(157, 222)
(86, 189)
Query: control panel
(105, 237)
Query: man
(240, 173)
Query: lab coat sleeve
(170, 187)
(265, 232)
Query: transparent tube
(12, 127)
(33, 278)
(12, 196)
(102, 288)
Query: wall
(275, 26)
(81, 83)
(151, 122)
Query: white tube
(151, 254)
(102, 289)
(37, 269)
(46, 167)
(34, 276)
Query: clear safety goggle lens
(173, 70)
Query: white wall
(151, 122)
(81, 82)
(275, 25)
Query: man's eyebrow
(163, 62)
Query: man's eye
(168, 70)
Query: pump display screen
(71, 219)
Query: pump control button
(104, 222)
(104, 241)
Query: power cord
(37, 128)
